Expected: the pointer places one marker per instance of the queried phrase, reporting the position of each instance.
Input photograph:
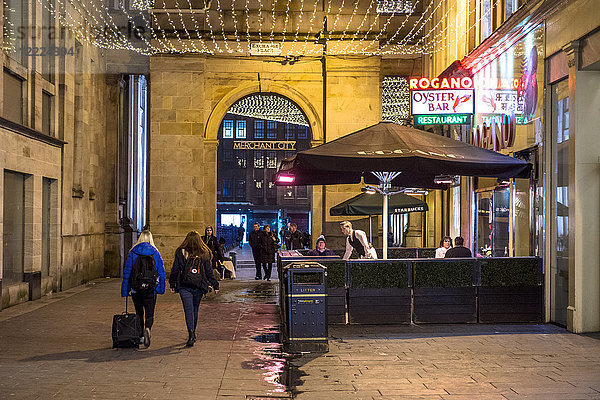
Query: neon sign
(498, 134)
(451, 119)
(440, 83)
(441, 96)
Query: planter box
(445, 305)
(379, 305)
(336, 305)
(510, 304)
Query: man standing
(295, 237)
(255, 240)
(458, 251)
(357, 240)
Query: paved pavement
(60, 347)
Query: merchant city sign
(263, 145)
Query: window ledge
(30, 133)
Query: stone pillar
(583, 312)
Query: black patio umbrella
(392, 154)
(372, 204)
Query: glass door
(493, 215)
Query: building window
(13, 97)
(47, 103)
(228, 129)
(271, 190)
(15, 32)
(240, 129)
(510, 6)
(48, 42)
(13, 228)
(259, 159)
(259, 129)
(258, 188)
(302, 192)
(486, 19)
(290, 132)
(240, 158)
(240, 192)
(302, 132)
(394, 6)
(288, 192)
(395, 100)
(271, 130)
(228, 156)
(271, 159)
(227, 192)
(49, 205)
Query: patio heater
(385, 183)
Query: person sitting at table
(445, 244)
(357, 240)
(458, 251)
(321, 249)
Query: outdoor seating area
(426, 290)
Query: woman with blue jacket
(144, 301)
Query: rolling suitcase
(126, 330)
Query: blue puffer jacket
(148, 250)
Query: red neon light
(285, 179)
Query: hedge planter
(511, 290)
(379, 293)
(444, 291)
(336, 292)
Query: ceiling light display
(300, 27)
(395, 100)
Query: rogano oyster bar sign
(441, 101)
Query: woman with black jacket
(190, 277)
(213, 244)
(267, 252)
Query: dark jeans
(267, 267)
(145, 302)
(190, 298)
(257, 263)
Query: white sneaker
(146, 337)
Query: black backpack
(193, 272)
(144, 275)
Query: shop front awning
(371, 204)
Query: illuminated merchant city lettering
(264, 145)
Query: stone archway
(218, 112)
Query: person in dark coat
(192, 246)
(213, 244)
(295, 238)
(458, 251)
(255, 240)
(267, 252)
(144, 301)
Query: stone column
(583, 312)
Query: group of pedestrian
(191, 276)
(264, 244)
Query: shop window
(240, 158)
(258, 188)
(288, 192)
(15, 34)
(13, 227)
(49, 223)
(259, 129)
(47, 107)
(240, 129)
(271, 159)
(13, 97)
(259, 159)
(228, 129)
(271, 130)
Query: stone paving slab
(60, 347)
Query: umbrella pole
(385, 224)
(370, 232)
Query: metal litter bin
(304, 308)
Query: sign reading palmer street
(264, 145)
